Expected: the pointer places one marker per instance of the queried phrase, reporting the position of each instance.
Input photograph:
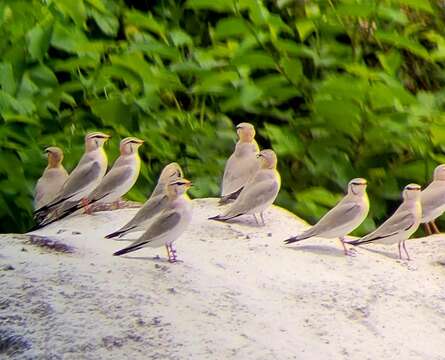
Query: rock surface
(238, 294)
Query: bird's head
(170, 173)
(130, 145)
(411, 192)
(357, 186)
(268, 159)
(55, 156)
(95, 140)
(246, 132)
(439, 173)
(177, 187)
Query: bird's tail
(222, 217)
(296, 238)
(127, 250)
(118, 233)
(360, 241)
(227, 198)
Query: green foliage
(338, 88)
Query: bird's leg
(400, 250)
(85, 203)
(168, 252)
(345, 249)
(118, 204)
(262, 218)
(256, 220)
(172, 254)
(406, 251)
(434, 227)
(426, 227)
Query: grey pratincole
(170, 224)
(154, 205)
(240, 166)
(52, 179)
(432, 199)
(259, 192)
(343, 218)
(401, 225)
(85, 177)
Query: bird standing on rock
(168, 226)
(342, 219)
(52, 179)
(241, 165)
(84, 178)
(433, 200)
(259, 192)
(116, 183)
(401, 225)
(154, 205)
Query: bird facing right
(401, 225)
(259, 192)
(84, 178)
(342, 219)
(241, 165)
(433, 200)
(170, 224)
(52, 179)
(154, 205)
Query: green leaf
(218, 6)
(402, 42)
(111, 111)
(254, 60)
(215, 82)
(145, 21)
(38, 39)
(73, 9)
(180, 38)
(43, 76)
(293, 69)
(423, 5)
(305, 27)
(392, 14)
(342, 115)
(231, 26)
(390, 61)
(363, 9)
(7, 81)
(108, 23)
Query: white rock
(238, 294)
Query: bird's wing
(115, 177)
(336, 217)
(80, 178)
(432, 198)
(237, 173)
(399, 222)
(152, 207)
(254, 195)
(162, 225)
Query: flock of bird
(250, 185)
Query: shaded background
(338, 89)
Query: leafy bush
(338, 88)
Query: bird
(170, 224)
(258, 193)
(343, 218)
(154, 205)
(401, 225)
(52, 179)
(433, 200)
(116, 183)
(240, 165)
(84, 178)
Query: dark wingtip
(290, 240)
(217, 218)
(120, 252)
(112, 235)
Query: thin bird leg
(85, 205)
(262, 218)
(406, 251)
(426, 227)
(172, 257)
(118, 204)
(345, 249)
(168, 251)
(256, 220)
(400, 250)
(434, 227)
